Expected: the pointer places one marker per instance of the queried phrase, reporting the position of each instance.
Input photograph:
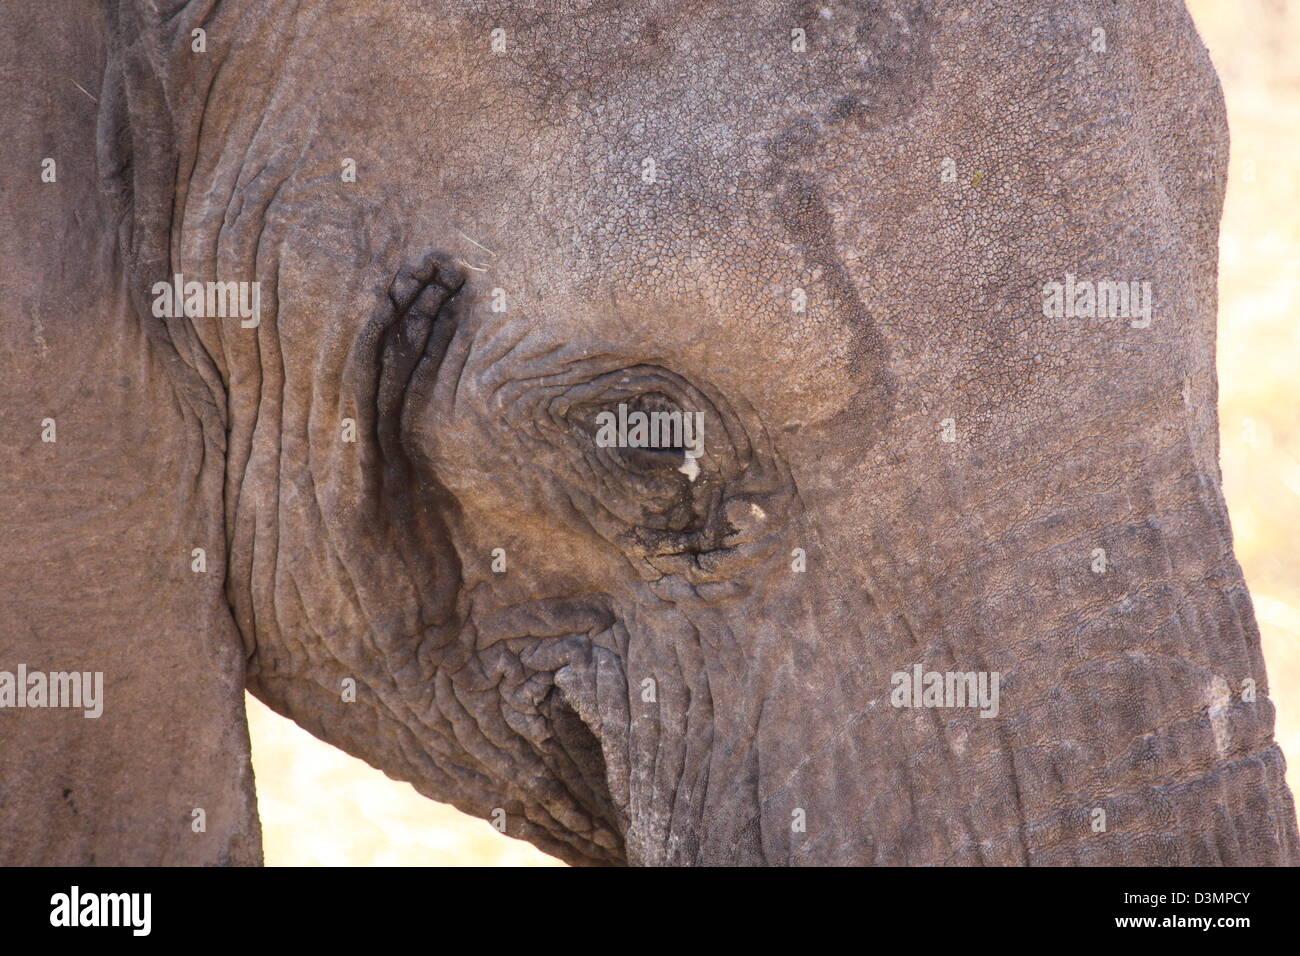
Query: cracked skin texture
(649, 681)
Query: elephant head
(929, 288)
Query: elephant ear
(113, 428)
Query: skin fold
(623, 204)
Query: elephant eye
(665, 468)
(649, 435)
(654, 459)
(652, 451)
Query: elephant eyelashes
(647, 439)
(651, 460)
(661, 444)
(675, 476)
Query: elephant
(682, 433)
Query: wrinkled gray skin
(522, 171)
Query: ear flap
(122, 726)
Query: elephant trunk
(1084, 687)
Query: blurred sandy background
(1256, 49)
(322, 807)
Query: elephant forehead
(792, 190)
(670, 154)
(754, 62)
(674, 124)
(675, 251)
